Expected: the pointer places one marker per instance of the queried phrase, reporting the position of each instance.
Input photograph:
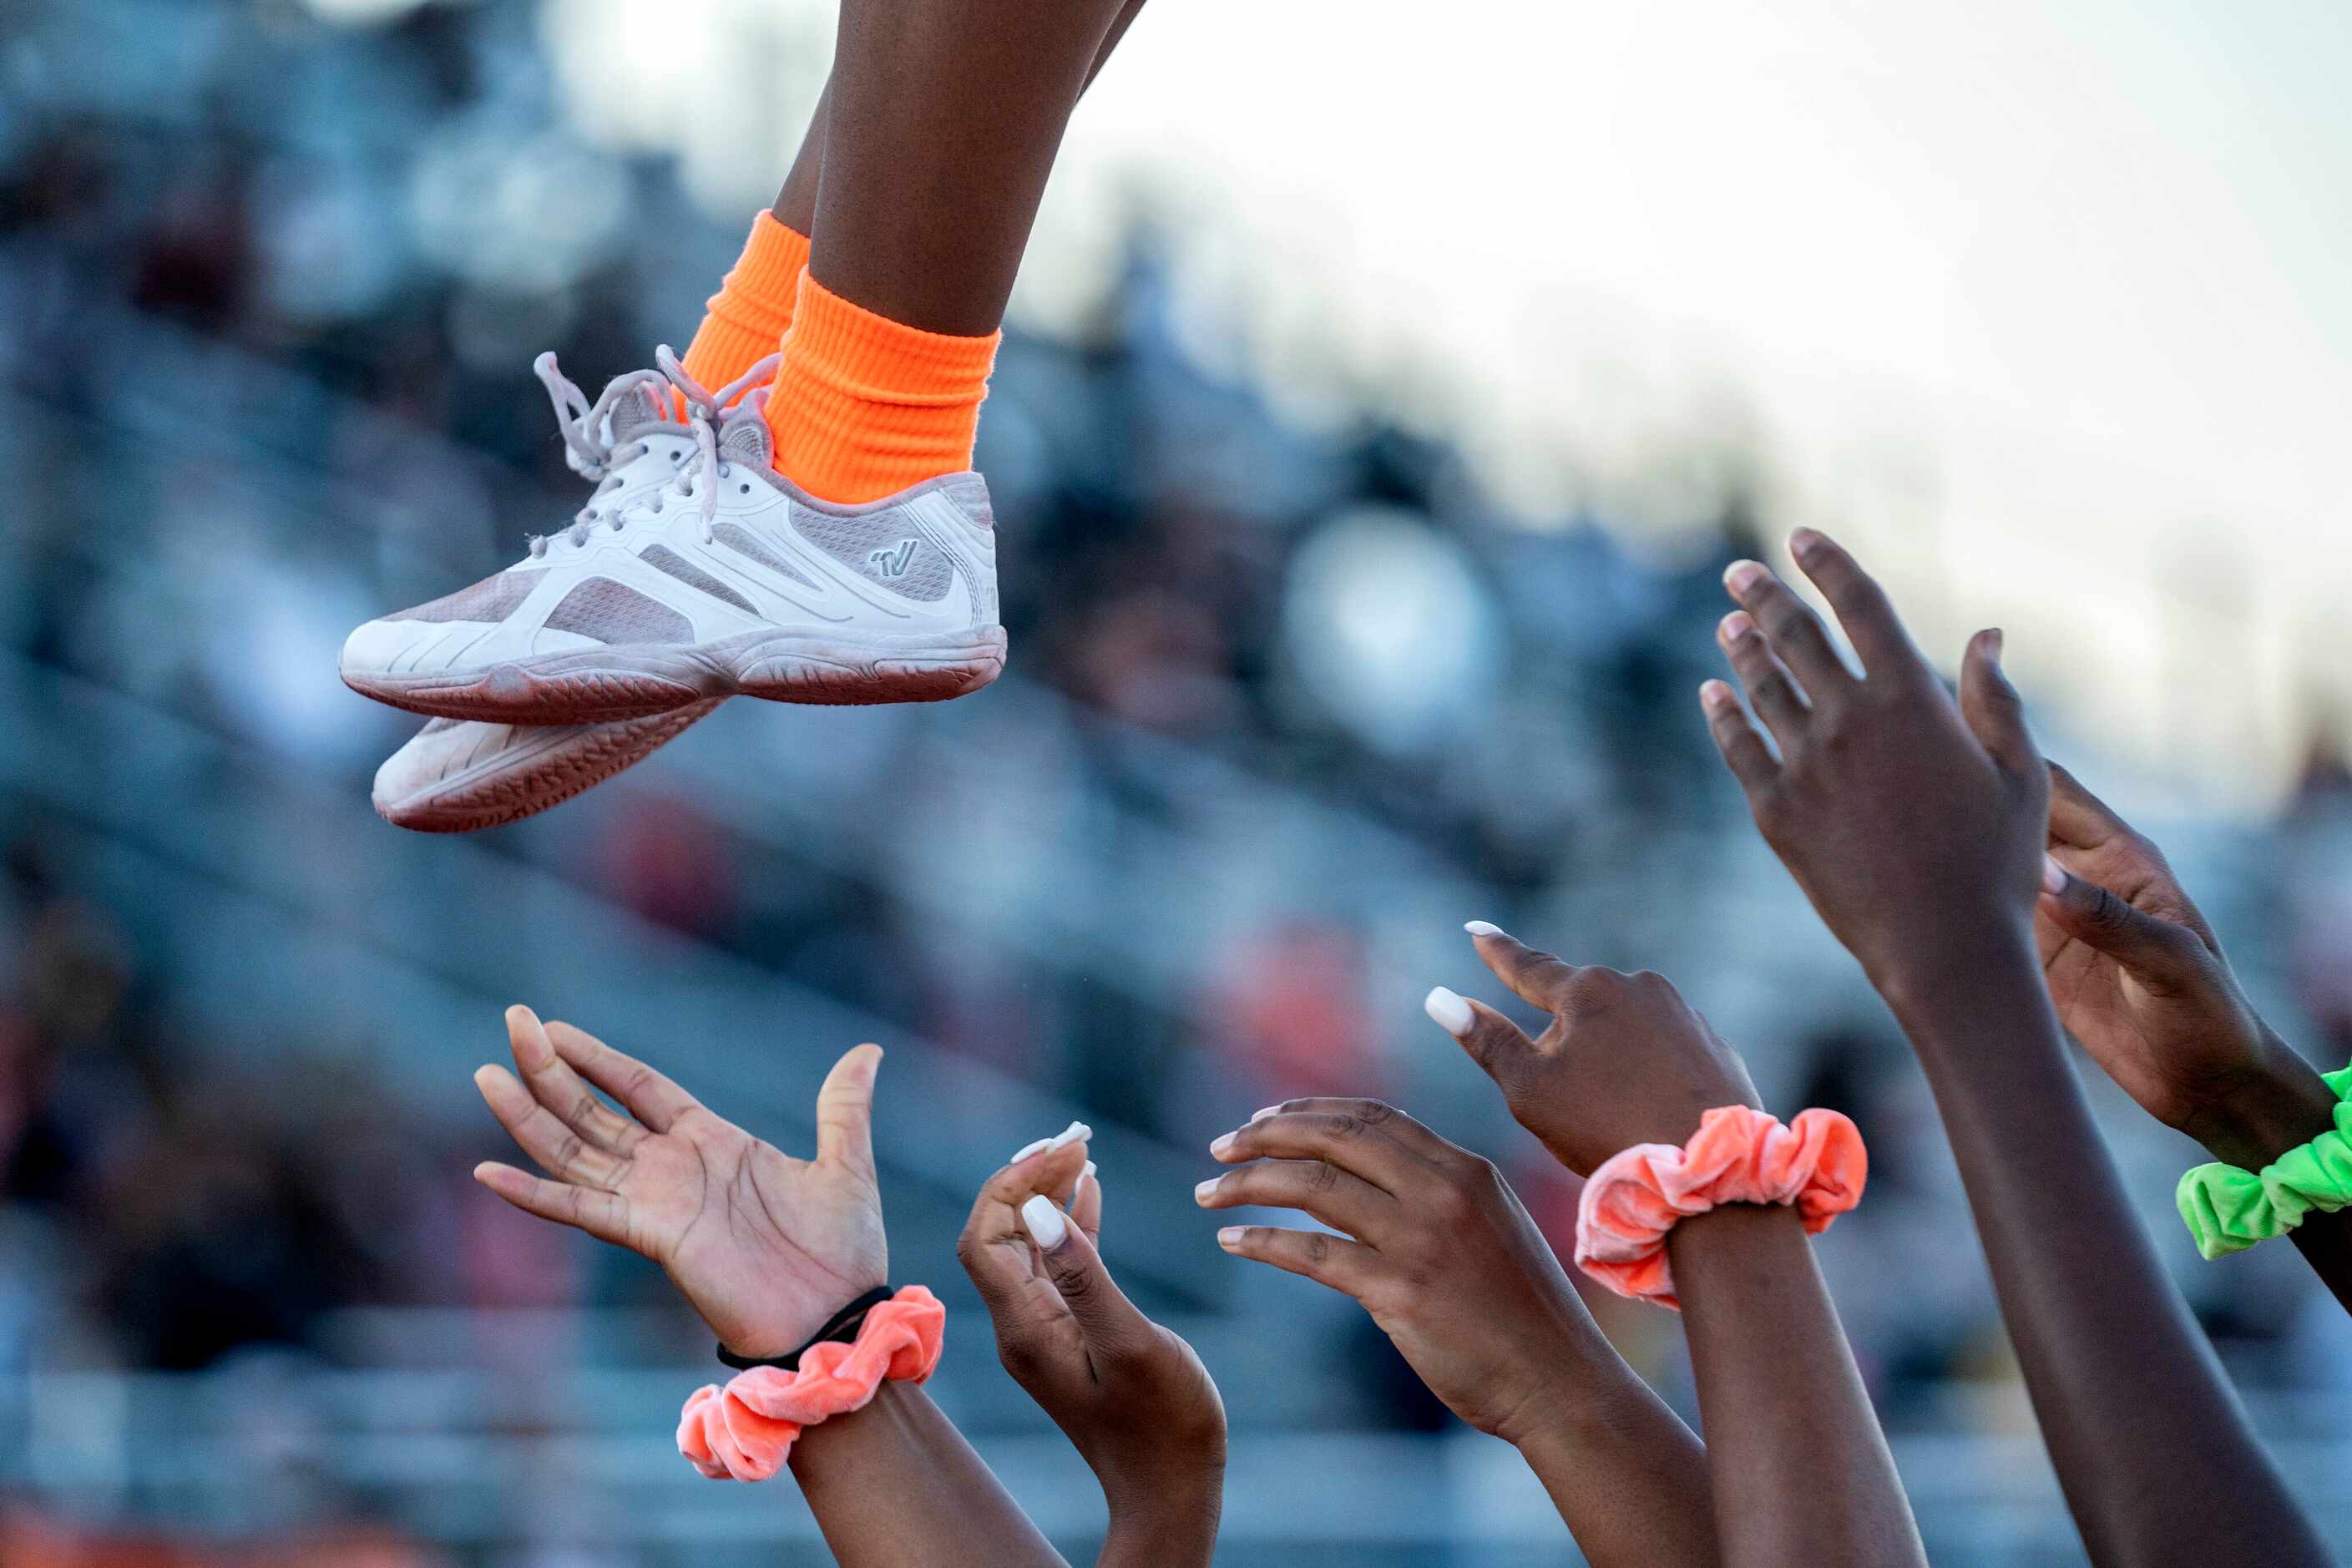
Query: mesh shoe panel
(492, 599)
(882, 549)
(616, 613)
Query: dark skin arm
(1129, 1395)
(1799, 1469)
(765, 1248)
(2140, 979)
(1440, 1252)
(795, 203)
(1915, 826)
(897, 1483)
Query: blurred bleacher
(1173, 867)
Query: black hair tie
(841, 1328)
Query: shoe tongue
(744, 432)
(645, 410)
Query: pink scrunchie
(745, 1430)
(1738, 1156)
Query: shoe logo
(893, 562)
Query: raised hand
(1131, 1396)
(2140, 979)
(767, 1247)
(1623, 1061)
(1438, 1250)
(1913, 822)
(1917, 827)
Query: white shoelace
(590, 451)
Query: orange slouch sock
(754, 305)
(863, 407)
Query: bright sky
(2041, 303)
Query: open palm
(767, 1247)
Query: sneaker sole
(634, 681)
(507, 788)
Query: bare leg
(795, 205)
(941, 123)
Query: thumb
(2159, 952)
(1107, 1320)
(1493, 1041)
(845, 1110)
(1994, 712)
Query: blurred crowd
(1286, 699)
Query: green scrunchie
(2228, 1209)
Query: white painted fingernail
(1070, 1134)
(1262, 1115)
(2053, 875)
(1223, 1143)
(1229, 1237)
(1088, 1173)
(1448, 1011)
(1028, 1148)
(1079, 1186)
(1201, 1192)
(1043, 1222)
(1482, 927)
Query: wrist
(1732, 1235)
(1954, 960)
(1153, 1505)
(2274, 1108)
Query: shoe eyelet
(745, 489)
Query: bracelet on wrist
(745, 1430)
(1738, 1156)
(2228, 1208)
(841, 1328)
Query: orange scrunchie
(745, 1430)
(1738, 1156)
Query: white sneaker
(458, 776)
(726, 580)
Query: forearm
(1168, 1522)
(895, 1484)
(2154, 1455)
(1801, 1471)
(1628, 1478)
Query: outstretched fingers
(1539, 978)
(1353, 1139)
(560, 1150)
(1751, 760)
(1491, 1040)
(1794, 633)
(2079, 819)
(564, 1093)
(1863, 608)
(649, 1096)
(1323, 1191)
(601, 1214)
(1771, 690)
(1347, 1267)
(1995, 713)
